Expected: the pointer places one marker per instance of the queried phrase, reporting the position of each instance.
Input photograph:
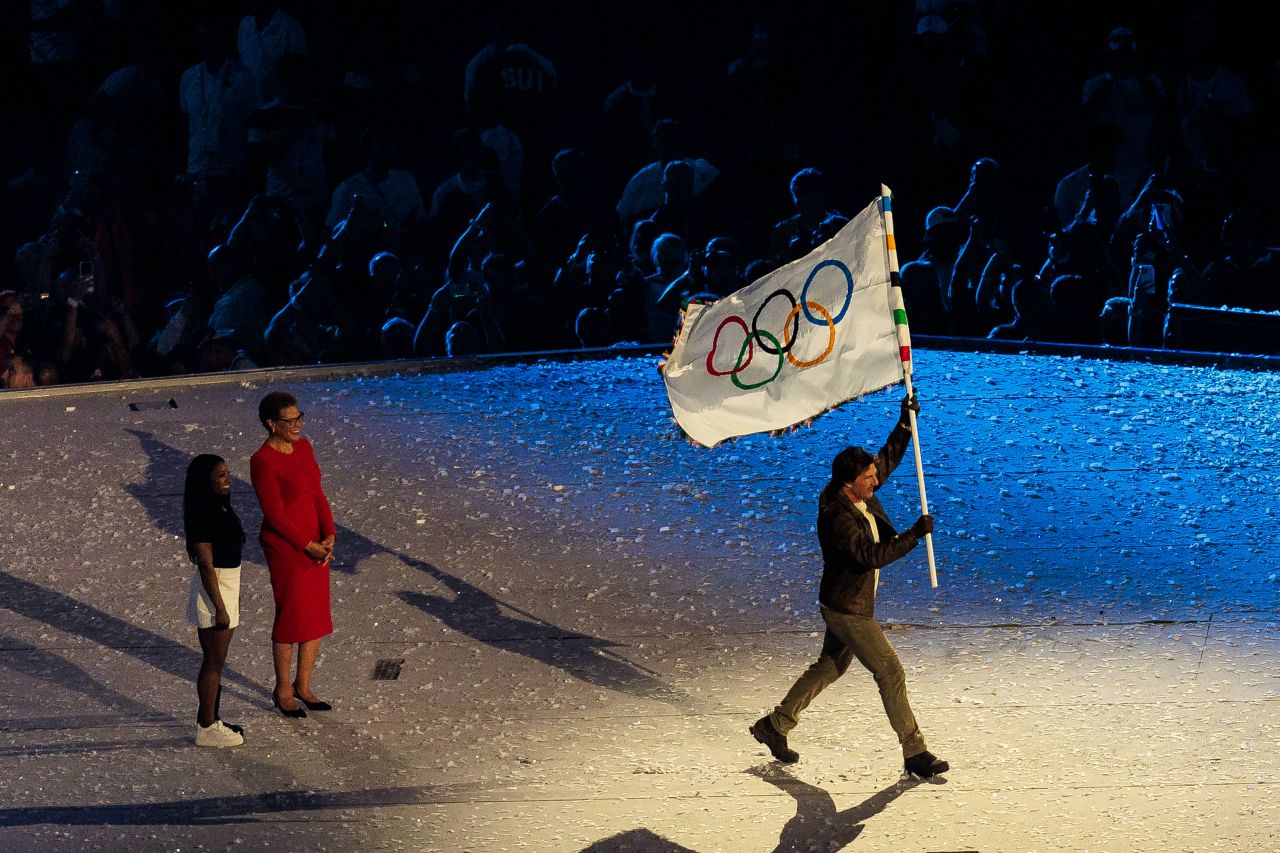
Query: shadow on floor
(817, 824)
(636, 841)
(61, 611)
(217, 810)
(470, 611)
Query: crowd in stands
(204, 186)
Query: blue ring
(804, 292)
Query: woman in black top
(214, 541)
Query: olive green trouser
(849, 637)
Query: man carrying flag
(857, 540)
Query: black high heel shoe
(296, 713)
(317, 705)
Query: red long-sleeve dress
(295, 511)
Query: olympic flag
(806, 337)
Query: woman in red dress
(297, 538)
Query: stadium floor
(587, 612)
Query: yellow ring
(786, 330)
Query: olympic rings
(848, 299)
(831, 337)
(741, 365)
(793, 316)
(769, 343)
(745, 386)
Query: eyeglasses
(292, 422)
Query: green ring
(747, 386)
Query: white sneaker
(217, 735)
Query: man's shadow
(470, 610)
(817, 824)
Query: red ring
(715, 341)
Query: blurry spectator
(576, 209)
(1158, 208)
(72, 334)
(461, 340)
(10, 327)
(498, 227)
(18, 374)
(384, 279)
(713, 273)
(460, 320)
(986, 198)
(926, 281)
(644, 193)
(288, 136)
(1102, 141)
(94, 141)
(1081, 250)
(1148, 273)
(1114, 322)
(811, 225)
(994, 298)
(219, 352)
(243, 307)
(680, 213)
(509, 81)
(268, 237)
(1132, 98)
(217, 95)
(510, 86)
(670, 260)
(1212, 103)
(594, 328)
(455, 201)
(931, 118)
(763, 104)
(640, 247)
(137, 108)
(629, 114)
(305, 330)
(267, 35)
(522, 312)
(1031, 314)
(508, 151)
(1077, 305)
(981, 249)
(54, 46)
(397, 338)
(171, 347)
(390, 195)
(1246, 274)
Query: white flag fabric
(788, 347)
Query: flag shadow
(471, 610)
(489, 620)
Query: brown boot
(763, 731)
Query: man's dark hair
(273, 404)
(850, 463)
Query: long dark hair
(202, 508)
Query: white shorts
(200, 610)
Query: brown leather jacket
(850, 555)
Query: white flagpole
(904, 349)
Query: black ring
(755, 330)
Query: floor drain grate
(153, 404)
(388, 669)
